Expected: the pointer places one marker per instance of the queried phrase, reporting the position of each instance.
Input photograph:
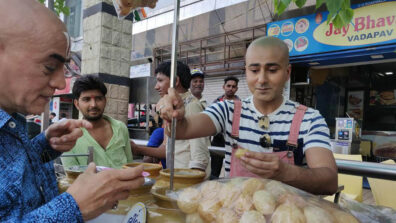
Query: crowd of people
(262, 123)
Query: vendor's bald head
(267, 70)
(271, 42)
(34, 46)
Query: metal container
(183, 178)
(152, 168)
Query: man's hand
(133, 145)
(319, 178)
(265, 165)
(97, 192)
(62, 136)
(171, 106)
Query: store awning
(370, 54)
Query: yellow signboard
(370, 24)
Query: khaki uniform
(192, 153)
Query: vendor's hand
(97, 192)
(133, 145)
(62, 136)
(170, 106)
(266, 165)
(148, 159)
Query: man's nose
(92, 102)
(262, 78)
(58, 80)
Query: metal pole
(147, 105)
(90, 155)
(357, 168)
(367, 169)
(51, 4)
(74, 155)
(171, 145)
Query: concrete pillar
(106, 53)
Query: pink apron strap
(295, 126)
(236, 118)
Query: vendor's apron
(237, 170)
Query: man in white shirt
(197, 85)
(190, 153)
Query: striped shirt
(313, 130)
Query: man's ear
(75, 101)
(288, 72)
(177, 81)
(2, 47)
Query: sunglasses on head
(264, 122)
(265, 140)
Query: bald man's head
(267, 70)
(273, 42)
(34, 47)
(22, 20)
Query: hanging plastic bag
(256, 200)
(125, 7)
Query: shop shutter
(214, 87)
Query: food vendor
(275, 138)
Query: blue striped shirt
(313, 130)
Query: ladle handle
(175, 35)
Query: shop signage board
(141, 70)
(374, 23)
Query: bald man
(34, 47)
(264, 126)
